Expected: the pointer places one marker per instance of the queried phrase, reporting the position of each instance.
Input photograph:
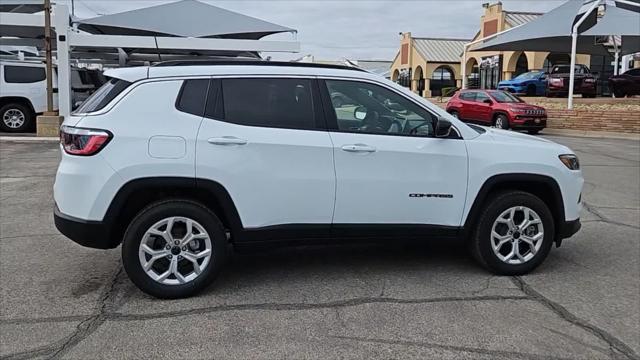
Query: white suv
(180, 162)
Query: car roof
(260, 68)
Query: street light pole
(47, 45)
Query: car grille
(534, 112)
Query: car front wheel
(514, 234)
(502, 122)
(174, 249)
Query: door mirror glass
(443, 127)
(360, 113)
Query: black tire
(20, 109)
(157, 212)
(531, 90)
(501, 121)
(533, 131)
(454, 114)
(588, 96)
(480, 243)
(619, 93)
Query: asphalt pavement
(428, 300)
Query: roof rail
(251, 61)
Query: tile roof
(514, 18)
(440, 50)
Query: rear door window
(278, 103)
(103, 96)
(24, 74)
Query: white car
(23, 92)
(179, 162)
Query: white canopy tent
(109, 37)
(566, 27)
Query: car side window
(24, 74)
(481, 97)
(368, 108)
(634, 72)
(269, 102)
(468, 96)
(192, 96)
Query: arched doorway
(554, 59)
(473, 74)
(522, 65)
(395, 76)
(442, 77)
(419, 77)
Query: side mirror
(443, 127)
(487, 101)
(360, 113)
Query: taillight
(83, 142)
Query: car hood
(525, 141)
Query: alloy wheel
(13, 118)
(175, 251)
(517, 235)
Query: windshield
(103, 96)
(504, 97)
(528, 75)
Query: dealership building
(427, 65)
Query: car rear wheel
(533, 131)
(174, 249)
(501, 122)
(619, 93)
(454, 114)
(16, 118)
(514, 234)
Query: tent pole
(574, 45)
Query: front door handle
(359, 148)
(227, 140)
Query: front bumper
(529, 123)
(567, 230)
(92, 234)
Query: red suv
(497, 108)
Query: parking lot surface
(428, 300)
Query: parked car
(23, 92)
(626, 84)
(497, 108)
(278, 163)
(532, 83)
(584, 82)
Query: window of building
(192, 96)
(24, 74)
(280, 103)
(377, 110)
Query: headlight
(570, 161)
(518, 110)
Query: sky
(351, 29)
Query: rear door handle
(361, 148)
(227, 140)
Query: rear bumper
(92, 234)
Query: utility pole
(47, 45)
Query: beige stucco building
(428, 64)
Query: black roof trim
(249, 61)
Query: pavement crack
(453, 348)
(613, 342)
(304, 306)
(600, 217)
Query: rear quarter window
(193, 96)
(24, 74)
(103, 96)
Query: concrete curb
(591, 134)
(29, 138)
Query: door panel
(482, 110)
(405, 180)
(385, 172)
(275, 174)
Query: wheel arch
(542, 186)
(17, 99)
(136, 194)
